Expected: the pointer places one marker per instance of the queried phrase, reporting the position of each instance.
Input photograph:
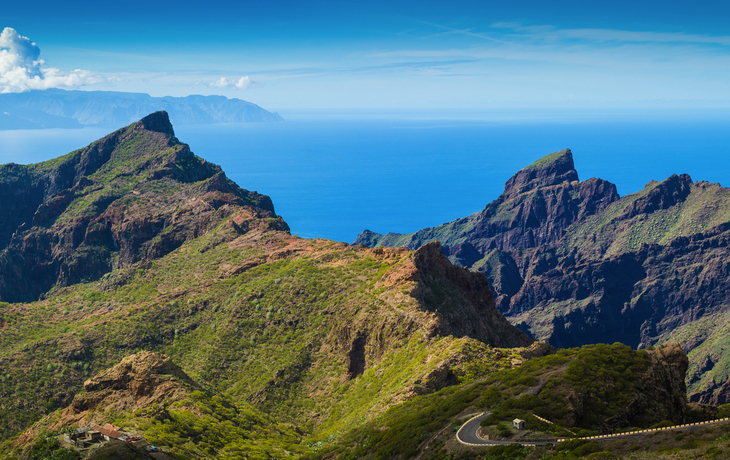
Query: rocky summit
(134, 195)
(152, 308)
(573, 263)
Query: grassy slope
(704, 208)
(257, 316)
(423, 425)
(708, 338)
(271, 334)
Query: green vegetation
(603, 376)
(547, 159)
(48, 448)
(703, 209)
(299, 348)
(205, 427)
(709, 364)
(276, 334)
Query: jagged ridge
(100, 208)
(573, 263)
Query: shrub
(505, 432)
(663, 424)
(602, 456)
(724, 411)
(47, 448)
(586, 449)
(490, 420)
(510, 452)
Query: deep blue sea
(334, 175)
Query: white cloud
(221, 83)
(241, 83)
(22, 69)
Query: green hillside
(177, 306)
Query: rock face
(573, 263)
(537, 206)
(715, 396)
(146, 381)
(437, 279)
(120, 450)
(100, 208)
(140, 380)
(664, 395)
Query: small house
(109, 431)
(82, 443)
(519, 424)
(79, 433)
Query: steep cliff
(663, 395)
(537, 206)
(572, 263)
(136, 194)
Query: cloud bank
(22, 69)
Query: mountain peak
(157, 122)
(137, 194)
(552, 169)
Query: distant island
(56, 108)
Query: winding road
(468, 434)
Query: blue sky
(380, 54)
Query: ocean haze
(334, 174)
(55, 108)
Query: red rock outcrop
(141, 380)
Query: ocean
(333, 175)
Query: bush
(490, 420)
(586, 449)
(724, 411)
(510, 452)
(663, 424)
(47, 448)
(571, 445)
(505, 432)
(712, 452)
(602, 456)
